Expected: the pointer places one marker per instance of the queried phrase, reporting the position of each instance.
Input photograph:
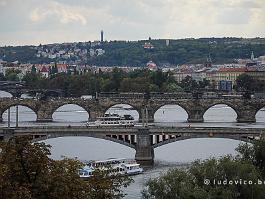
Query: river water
(168, 156)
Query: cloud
(64, 13)
(3, 3)
(50, 21)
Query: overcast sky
(54, 21)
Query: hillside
(133, 53)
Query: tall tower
(252, 56)
(208, 63)
(101, 36)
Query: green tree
(12, 74)
(33, 69)
(244, 82)
(254, 154)
(27, 172)
(191, 183)
(188, 84)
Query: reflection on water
(70, 113)
(170, 113)
(220, 113)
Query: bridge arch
(260, 114)
(70, 112)
(188, 150)
(124, 108)
(4, 93)
(51, 136)
(168, 110)
(214, 116)
(26, 115)
(180, 138)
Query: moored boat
(113, 120)
(114, 165)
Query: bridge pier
(150, 113)
(94, 114)
(144, 150)
(246, 119)
(195, 117)
(44, 117)
(246, 115)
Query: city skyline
(31, 22)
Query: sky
(34, 22)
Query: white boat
(114, 165)
(113, 120)
(132, 169)
(86, 172)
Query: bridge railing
(177, 95)
(121, 95)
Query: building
(256, 74)
(44, 72)
(99, 51)
(167, 42)
(151, 66)
(62, 68)
(199, 75)
(262, 59)
(2, 71)
(148, 45)
(228, 75)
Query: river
(168, 156)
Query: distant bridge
(16, 89)
(245, 109)
(142, 139)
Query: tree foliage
(215, 178)
(27, 172)
(115, 81)
(245, 82)
(126, 53)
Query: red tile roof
(233, 70)
(44, 70)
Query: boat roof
(87, 168)
(129, 165)
(108, 160)
(108, 117)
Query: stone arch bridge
(143, 139)
(246, 109)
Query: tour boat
(114, 165)
(113, 120)
(132, 168)
(86, 172)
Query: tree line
(126, 53)
(140, 80)
(116, 81)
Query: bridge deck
(134, 130)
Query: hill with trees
(133, 53)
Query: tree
(33, 69)
(244, 82)
(254, 154)
(11, 74)
(188, 84)
(215, 178)
(26, 172)
(207, 179)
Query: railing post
(16, 115)
(8, 117)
